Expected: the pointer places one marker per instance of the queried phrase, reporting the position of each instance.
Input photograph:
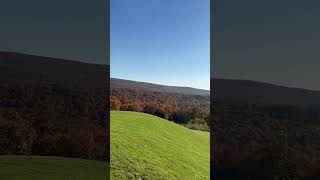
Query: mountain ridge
(23, 68)
(123, 83)
(69, 73)
(261, 93)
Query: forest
(43, 118)
(264, 142)
(191, 111)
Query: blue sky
(161, 41)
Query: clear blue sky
(161, 41)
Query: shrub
(16, 134)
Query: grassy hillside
(50, 168)
(147, 147)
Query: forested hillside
(52, 106)
(274, 137)
(121, 83)
(189, 110)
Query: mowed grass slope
(50, 168)
(147, 147)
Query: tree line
(47, 119)
(265, 142)
(190, 111)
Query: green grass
(50, 168)
(147, 147)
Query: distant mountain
(69, 73)
(245, 91)
(237, 91)
(120, 83)
(25, 68)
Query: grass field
(50, 168)
(147, 147)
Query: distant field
(50, 168)
(147, 147)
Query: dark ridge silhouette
(68, 73)
(259, 93)
(121, 83)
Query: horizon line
(160, 84)
(53, 57)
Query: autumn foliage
(47, 119)
(252, 142)
(192, 111)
